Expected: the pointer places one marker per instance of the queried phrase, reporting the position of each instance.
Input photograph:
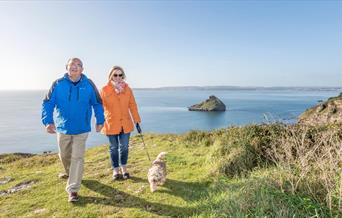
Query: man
(73, 97)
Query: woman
(119, 108)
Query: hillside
(328, 112)
(234, 172)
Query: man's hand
(50, 128)
(99, 127)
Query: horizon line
(211, 86)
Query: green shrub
(309, 157)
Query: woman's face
(117, 76)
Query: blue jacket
(73, 105)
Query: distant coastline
(231, 88)
(250, 88)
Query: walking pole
(145, 148)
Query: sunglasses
(116, 75)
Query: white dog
(157, 173)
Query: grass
(223, 173)
(102, 197)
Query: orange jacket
(118, 110)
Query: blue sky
(173, 43)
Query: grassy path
(187, 184)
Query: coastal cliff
(328, 112)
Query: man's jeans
(71, 153)
(118, 149)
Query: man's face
(75, 68)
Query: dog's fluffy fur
(157, 173)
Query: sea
(162, 111)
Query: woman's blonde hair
(114, 70)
